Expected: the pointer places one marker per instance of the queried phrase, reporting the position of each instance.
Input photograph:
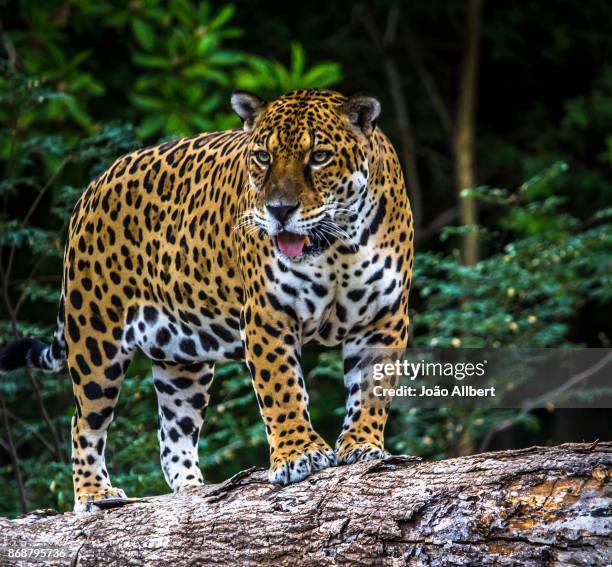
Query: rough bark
(537, 506)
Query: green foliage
(175, 70)
(269, 78)
(526, 293)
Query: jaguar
(241, 244)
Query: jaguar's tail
(34, 353)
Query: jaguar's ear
(363, 112)
(248, 106)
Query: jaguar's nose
(282, 212)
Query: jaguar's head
(307, 164)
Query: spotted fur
(174, 250)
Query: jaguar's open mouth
(299, 245)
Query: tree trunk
(537, 506)
(465, 176)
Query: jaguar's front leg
(362, 436)
(272, 350)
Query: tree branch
(429, 83)
(529, 507)
(382, 43)
(437, 224)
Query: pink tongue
(290, 244)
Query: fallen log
(536, 506)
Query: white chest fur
(336, 292)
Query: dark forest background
(501, 113)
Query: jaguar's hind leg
(97, 364)
(182, 394)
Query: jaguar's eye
(319, 157)
(262, 157)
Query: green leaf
(144, 34)
(206, 43)
(151, 61)
(147, 102)
(225, 57)
(222, 17)
(298, 61)
(322, 75)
